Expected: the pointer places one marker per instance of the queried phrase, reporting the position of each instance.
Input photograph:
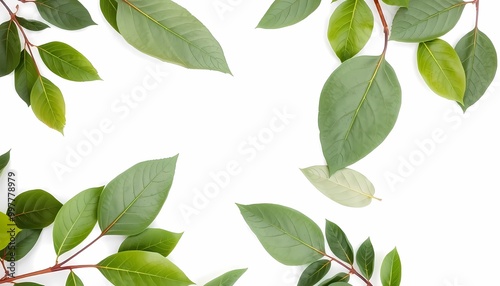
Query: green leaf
(73, 280)
(425, 20)
(167, 31)
(314, 272)
(109, 9)
(340, 284)
(338, 242)
(48, 104)
(141, 268)
(131, 201)
(401, 3)
(66, 62)
(283, 13)
(346, 187)
(153, 240)
(4, 160)
(65, 14)
(358, 108)
(10, 47)
(441, 69)
(287, 235)
(350, 28)
(32, 25)
(25, 77)
(75, 221)
(390, 272)
(27, 284)
(479, 59)
(25, 241)
(227, 279)
(35, 209)
(339, 277)
(365, 258)
(8, 230)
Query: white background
(442, 214)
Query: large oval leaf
(109, 9)
(141, 268)
(314, 272)
(425, 20)
(441, 69)
(35, 209)
(25, 241)
(227, 279)
(167, 31)
(25, 77)
(8, 230)
(152, 240)
(286, 234)
(283, 13)
(4, 160)
(346, 187)
(75, 220)
(10, 47)
(339, 243)
(350, 28)
(390, 272)
(479, 59)
(358, 108)
(48, 104)
(365, 258)
(65, 14)
(131, 201)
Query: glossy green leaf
(32, 25)
(479, 59)
(283, 13)
(4, 160)
(441, 69)
(365, 258)
(358, 108)
(401, 3)
(340, 284)
(167, 31)
(339, 243)
(73, 280)
(339, 277)
(425, 20)
(66, 62)
(350, 28)
(141, 268)
(25, 77)
(75, 221)
(314, 272)
(8, 230)
(109, 9)
(346, 187)
(227, 279)
(390, 272)
(65, 14)
(10, 47)
(153, 240)
(35, 209)
(27, 284)
(25, 241)
(288, 236)
(48, 104)
(131, 201)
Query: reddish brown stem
(55, 268)
(384, 24)
(351, 269)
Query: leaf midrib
(440, 67)
(42, 48)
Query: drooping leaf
(479, 59)
(73, 280)
(32, 25)
(48, 104)
(25, 77)
(4, 160)
(401, 3)
(153, 240)
(346, 187)
(35, 209)
(10, 48)
(141, 268)
(425, 20)
(109, 9)
(167, 31)
(75, 221)
(131, 201)
(339, 243)
(25, 241)
(350, 28)
(65, 14)
(358, 108)
(227, 279)
(365, 258)
(283, 13)
(441, 69)
(288, 236)
(8, 230)
(390, 272)
(314, 272)
(339, 277)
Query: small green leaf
(109, 9)
(65, 14)
(227, 279)
(350, 28)
(338, 242)
(400, 3)
(25, 241)
(8, 230)
(346, 187)
(75, 221)
(153, 240)
(365, 258)
(35, 209)
(25, 77)
(339, 277)
(28, 284)
(283, 13)
(10, 48)
(141, 268)
(4, 160)
(48, 104)
(288, 236)
(340, 284)
(441, 69)
(73, 280)
(390, 272)
(314, 272)
(32, 25)
(479, 59)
